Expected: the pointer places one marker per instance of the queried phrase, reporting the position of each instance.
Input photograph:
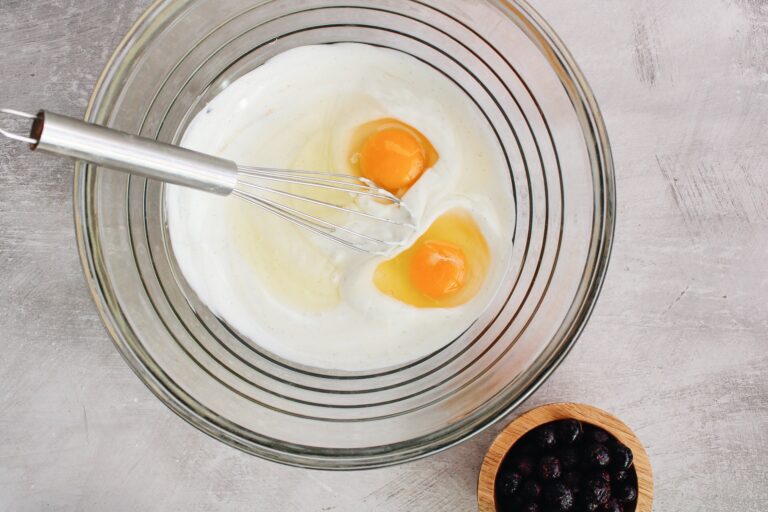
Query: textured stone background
(677, 347)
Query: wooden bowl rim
(486, 496)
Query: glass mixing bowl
(516, 72)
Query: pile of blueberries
(567, 465)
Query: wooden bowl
(486, 495)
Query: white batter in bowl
(297, 295)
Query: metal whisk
(349, 210)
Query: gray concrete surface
(677, 346)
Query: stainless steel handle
(110, 148)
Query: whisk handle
(113, 149)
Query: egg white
(299, 297)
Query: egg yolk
(392, 154)
(444, 268)
(438, 268)
(392, 158)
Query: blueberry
(604, 476)
(626, 493)
(598, 455)
(569, 457)
(526, 445)
(531, 490)
(545, 437)
(620, 475)
(569, 431)
(508, 483)
(559, 496)
(598, 435)
(549, 468)
(612, 506)
(621, 457)
(531, 507)
(515, 503)
(591, 506)
(596, 490)
(573, 480)
(523, 465)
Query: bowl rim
(589, 114)
(503, 442)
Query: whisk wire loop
(326, 204)
(316, 225)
